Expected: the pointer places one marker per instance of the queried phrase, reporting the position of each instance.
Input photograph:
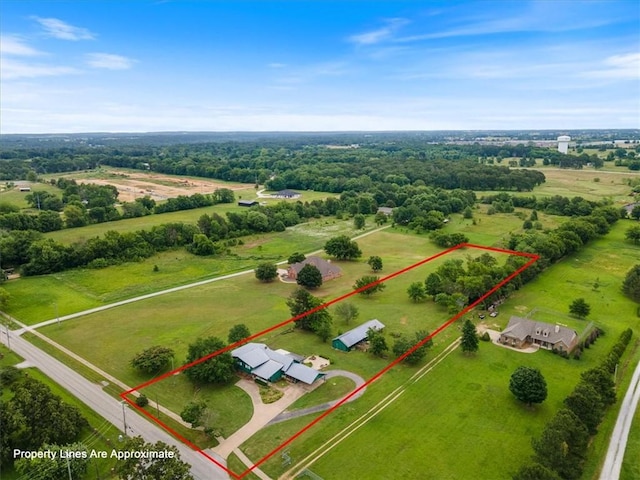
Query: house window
(545, 333)
(537, 331)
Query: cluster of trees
(404, 344)
(38, 255)
(560, 451)
(34, 418)
(452, 286)
(296, 163)
(151, 468)
(319, 321)
(554, 205)
(631, 283)
(568, 238)
(633, 233)
(96, 206)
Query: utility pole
(69, 468)
(57, 316)
(8, 337)
(124, 418)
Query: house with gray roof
(353, 337)
(328, 270)
(269, 365)
(522, 331)
(388, 211)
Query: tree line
(561, 449)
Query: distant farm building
(25, 189)
(247, 203)
(353, 337)
(522, 331)
(630, 206)
(269, 365)
(328, 270)
(287, 194)
(563, 143)
(386, 210)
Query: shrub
(142, 401)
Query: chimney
(557, 328)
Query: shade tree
(238, 332)
(153, 359)
(469, 341)
(309, 276)
(373, 287)
(216, 369)
(342, 248)
(528, 385)
(347, 311)
(266, 272)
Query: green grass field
(572, 183)
(477, 391)
(474, 405)
(35, 299)
(15, 197)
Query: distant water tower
(563, 143)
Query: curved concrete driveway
(323, 406)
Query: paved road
(323, 406)
(110, 408)
(618, 442)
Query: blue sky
(135, 66)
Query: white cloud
(109, 61)
(13, 45)
(380, 34)
(11, 69)
(58, 29)
(277, 65)
(618, 67)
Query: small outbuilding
(247, 203)
(353, 337)
(287, 194)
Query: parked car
(481, 315)
(493, 314)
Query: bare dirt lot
(132, 185)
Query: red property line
(533, 258)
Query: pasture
(35, 299)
